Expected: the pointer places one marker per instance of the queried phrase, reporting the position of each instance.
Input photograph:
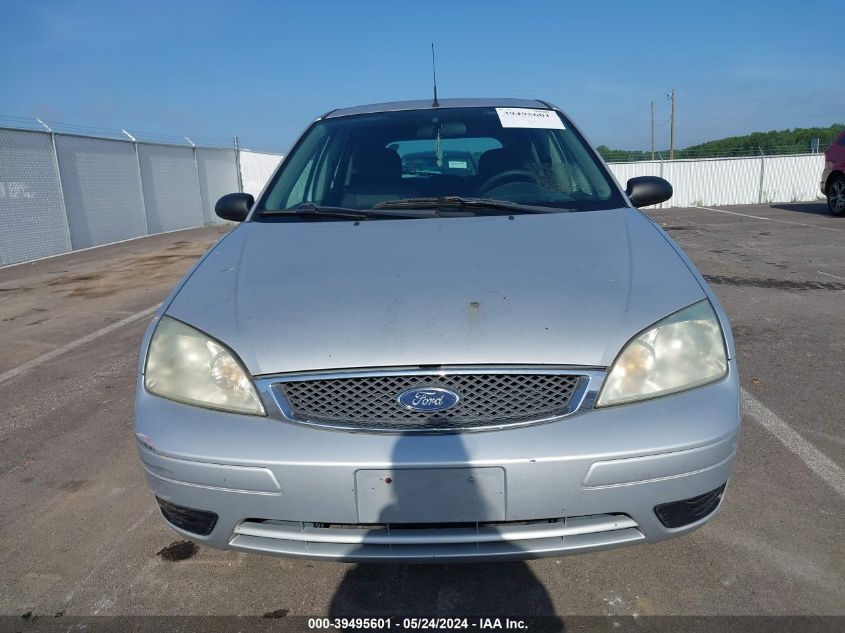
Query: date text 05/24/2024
(481, 624)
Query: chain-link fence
(61, 192)
(33, 220)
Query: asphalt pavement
(81, 534)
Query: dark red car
(833, 176)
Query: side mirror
(234, 206)
(645, 190)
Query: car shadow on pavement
(497, 589)
(813, 208)
(485, 590)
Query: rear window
(458, 156)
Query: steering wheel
(510, 175)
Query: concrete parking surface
(81, 534)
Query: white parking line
(758, 217)
(814, 459)
(821, 272)
(107, 556)
(35, 362)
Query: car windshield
(517, 155)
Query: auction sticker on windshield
(529, 117)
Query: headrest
(495, 161)
(377, 165)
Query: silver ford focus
(442, 333)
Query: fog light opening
(677, 514)
(191, 520)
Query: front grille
(486, 400)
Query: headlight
(185, 365)
(684, 350)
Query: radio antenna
(436, 103)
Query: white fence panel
(256, 169)
(725, 181)
(32, 215)
(792, 178)
(713, 182)
(171, 187)
(218, 175)
(102, 191)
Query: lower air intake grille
(486, 400)
(507, 540)
(680, 513)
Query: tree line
(794, 141)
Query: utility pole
(652, 130)
(672, 129)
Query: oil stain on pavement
(178, 550)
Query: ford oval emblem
(428, 399)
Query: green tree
(790, 141)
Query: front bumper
(582, 483)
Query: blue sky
(264, 70)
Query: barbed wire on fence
(610, 155)
(627, 156)
(142, 136)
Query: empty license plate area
(430, 495)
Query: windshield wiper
(457, 202)
(310, 210)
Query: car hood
(561, 289)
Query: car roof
(427, 104)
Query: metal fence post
(238, 165)
(762, 175)
(140, 180)
(59, 179)
(199, 180)
(661, 174)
